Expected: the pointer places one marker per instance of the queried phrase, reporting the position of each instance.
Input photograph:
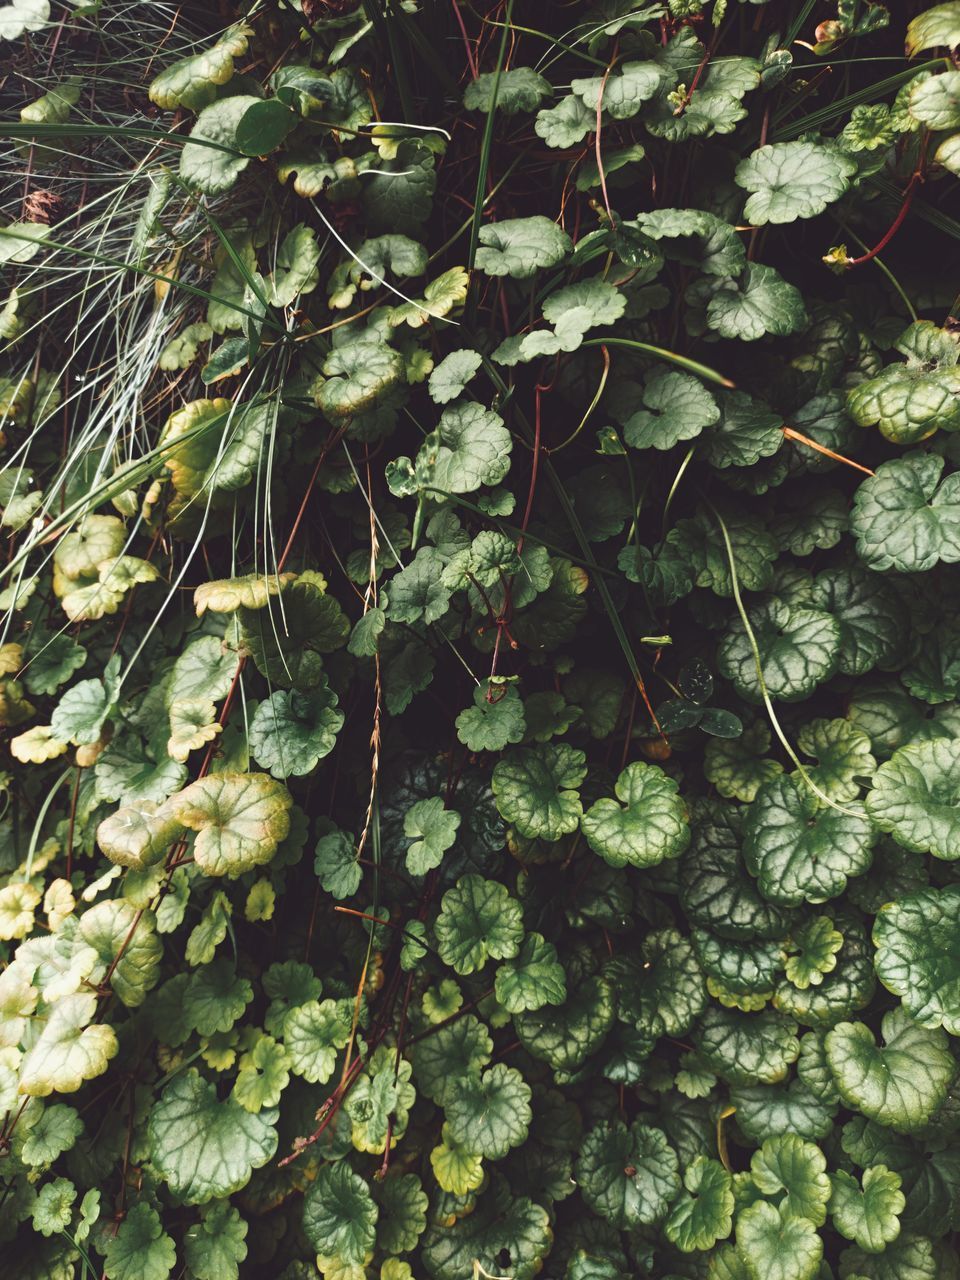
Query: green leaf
(737, 767)
(910, 400)
(193, 82)
(131, 958)
(649, 825)
(239, 820)
(295, 271)
(433, 830)
(359, 376)
(21, 241)
(676, 407)
(765, 1111)
(450, 1054)
(566, 124)
(565, 1036)
(139, 835)
(582, 306)
(533, 979)
(661, 991)
(418, 591)
(623, 92)
(336, 866)
(403, 1213)
(212, 161)
(313, 1033)
(794, 1171)
(703, 1213)
(817, 944)
(747, 1048)
(263, 1075)
(492, 722)
(705, 241)
(291, 732)
(899, 1083)
(470, 448)
(80, 714)
(928, 1167)
(534, 790)
(715, 890)
(754, 552)
(799, 649)
(867, 1214)
(56, 1130)
(513, 91)
(845, 988)
(746, 432)
(215, 997)
(938, 27)
(441, 296)
(773, 1245)
(478, 921)
(490, 1113)
(759, 302)
(801, 850)
(68, 1050)
(364, 639)
(378, 1106)
(340, 1216)
(262, 127)
(399, 196)
(141, 1249)
(936, 102)
(741, 968)
(870, 615)
(53, 1208)
(53, 663)
(918, 955)
(286, 642)
(790, 180)
(902, 520)
(519, 247)
(915, 797)
(451, 375)
(504, 1234)
(869, 128)
(215, 1246)
(203, 669)
(907, 1258)
(203, 1148)
(628, 1175)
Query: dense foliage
(481, 659)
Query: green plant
(480, 668)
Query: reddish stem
(894, 227)
(596, 141)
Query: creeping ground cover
(480, 668)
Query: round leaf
(203, 1148)
(628, 1175)
(916, 795)
(649, 825)
(918, 955)
(339, 1215)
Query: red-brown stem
(596, 141)
(894, 227)
(466, 39)
(326, 1112)
(698, 75)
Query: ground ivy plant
(480, 671)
